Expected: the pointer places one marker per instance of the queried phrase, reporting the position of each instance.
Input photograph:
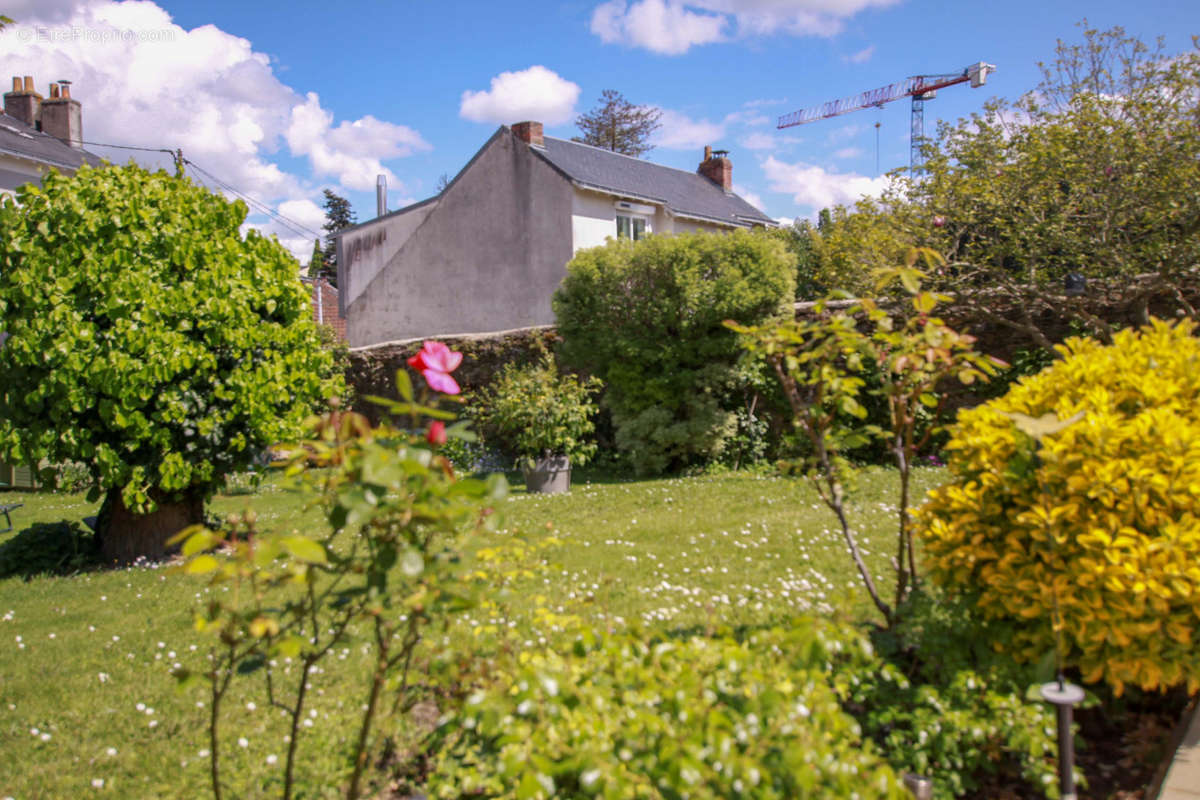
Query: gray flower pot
(548, 475)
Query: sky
(279, 101)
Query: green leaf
(404, 384)
(201, 565)
(304, 549)
(198, 542)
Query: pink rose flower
(436, 361)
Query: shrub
(646, 317)
(629, 716)
(531, 411)
(943, 704)
(1096, 523)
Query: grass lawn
(87, 707)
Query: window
(631, 227)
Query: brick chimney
(530, 132)
(23, 102)
(62, 116)
(717, 168)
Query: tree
(149, 340)
(316, 262)
(618, 125)
(338, 216)
(1077, 205)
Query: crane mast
(919, 87)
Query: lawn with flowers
(88, 706)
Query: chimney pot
(717, 168)
(530, 132)
(62, 116)
(23, 102)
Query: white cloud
(750, 197)
(816, 188)
(353, 151)
(862, 56)
(536, 93)
(673, 26)
(768, 141)
(848, 152)
(680, 132)
(145, 81)
(662, 26)
(305, 212)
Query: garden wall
(372, 370)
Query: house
(488, 252)
(324, 298)
(38, 134)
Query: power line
(292, 225)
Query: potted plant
(543, 418)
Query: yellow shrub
(1104, 514)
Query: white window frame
(632, 214)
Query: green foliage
(1091, 175)
(646, 317)
(822, 360)
(1072, 515)
(48, 548)
(388, 564)
(626, 715)
(618, 125)
(148, 338)
(943, 704)
(800, 239)
(533, 411)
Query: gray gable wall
(486, 257)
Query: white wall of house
(594, 219)
(16, 171)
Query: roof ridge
(635, 159)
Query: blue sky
(281, 100)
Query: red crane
(919, 87)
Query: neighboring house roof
(685, 193)
(23, 141)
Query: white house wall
(17, 171)
(593, 219)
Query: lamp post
(1065, 696)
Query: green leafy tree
(149, 340)
(618, 125)
(316, 262)
(338, 216)
(647, 317)
(1093, 176)
(1078, 204)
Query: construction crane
(919, 87)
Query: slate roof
(24, 141)
(684, 193)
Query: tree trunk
(126, 536)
